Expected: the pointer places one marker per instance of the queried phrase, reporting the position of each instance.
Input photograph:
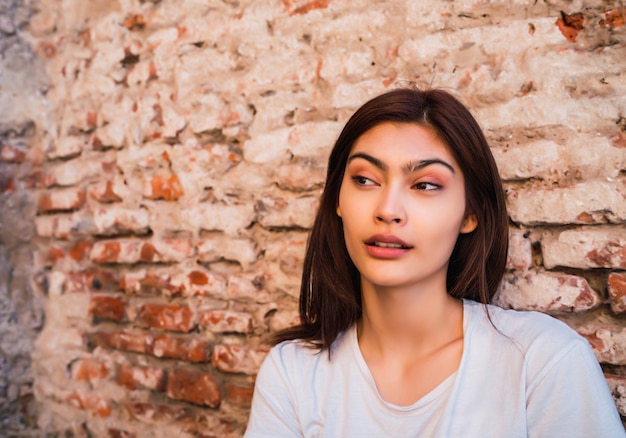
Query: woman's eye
(362, 181)
(427, 186)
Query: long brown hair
(330, 293)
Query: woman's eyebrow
(411, 166)
(414, 166)
(375, 161)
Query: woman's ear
(469, 224)
(338, 211)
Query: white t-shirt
(536, 378)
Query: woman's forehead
(393, 142)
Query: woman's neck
(407, 321)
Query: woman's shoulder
(301, 353)
(528, 330)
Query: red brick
(546, 292)
(585, 247)
(206, 424)
(36, 179)
(102, 308)
(55, 254)
(238, 359)
(300, 8)
(193, 386)
(133, 377)
(166, 317)
(89, 369)
(134, 22)
(570, 25)
(137, 342)
(239, 394)
(60, 253)
(116, 220)
(126, 251)
(181, 283)
(92, 119)
(64, 226)
(61, 200)
(153, 412)
(146, 283)
(608, 341)
(80, 250)
(615, 18)
(148, 252)
(520, 255)
(198, 278)
(11, 154)
(118, 433)
(91, 280)
(106, 252)
(90, 402)
(162, 187)
(617, 384)
(617, 292)
(181, 348)
(619, 140)
(47, 49)
(224, 321)
(613, 254)
(104, 192)
(198, 283)
(7, 185)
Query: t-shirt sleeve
(571, 398)
(273, 409)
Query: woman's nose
(390, 207)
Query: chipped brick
(238, 359)
(166, 317)
(570, 25)
(137, 342)
(239, 394)
(103, 308)
(90, 402)
(617, 292)
(181, 348)
(224, 321)
(133, 377)
(193, 386)
(89, 370)
(162, 187)
(61, 200)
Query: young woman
(397, 337)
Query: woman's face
(402, 203)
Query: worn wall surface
(177, 162)
(22, 84)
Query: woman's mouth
(386, 246)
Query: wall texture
(177, 159)
(22, 83)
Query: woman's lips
(386, 246)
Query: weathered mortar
(177, 165)
(22, 81)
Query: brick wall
(182, 151)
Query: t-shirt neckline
(432, 396)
